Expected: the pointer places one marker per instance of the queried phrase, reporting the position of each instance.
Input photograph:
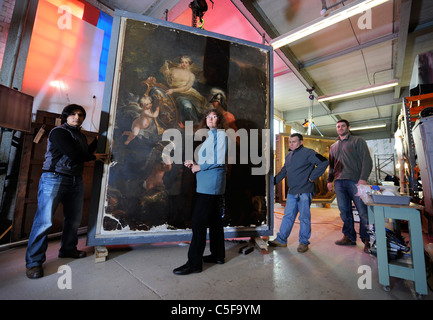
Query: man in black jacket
(301, 167)
(61, 182)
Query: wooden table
(377, 213)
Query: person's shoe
(302, 247)
(211, 259)
(185, 269)
(275, 243)
(76, 254)
(367, 246)
(35, 272)
(345, 241)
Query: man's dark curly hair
(69, 109)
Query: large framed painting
(320, 145)
(161, 77)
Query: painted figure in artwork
(219, 101)
(180, 78)
(144, 121)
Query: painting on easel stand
(163, 76)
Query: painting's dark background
(240, 71)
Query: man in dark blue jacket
(61, 182)
(301, 167)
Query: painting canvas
(160, 79)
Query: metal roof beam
(362, 46)
(405, 9)
(346, 106)
(285, 53)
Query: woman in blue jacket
(210, 171)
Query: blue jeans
(53, 190)
(346, 191)
(296, 203)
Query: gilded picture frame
(320, 145)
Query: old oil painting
(165, 78)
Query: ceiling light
(322, 23)
(374, 126)
(368, 89)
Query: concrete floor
(325, 272)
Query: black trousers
(206, 214)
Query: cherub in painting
(144, 121)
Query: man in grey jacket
(301, 167)
(350, 164)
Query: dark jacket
(349, 159)
(300, 166)
(67, 150)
